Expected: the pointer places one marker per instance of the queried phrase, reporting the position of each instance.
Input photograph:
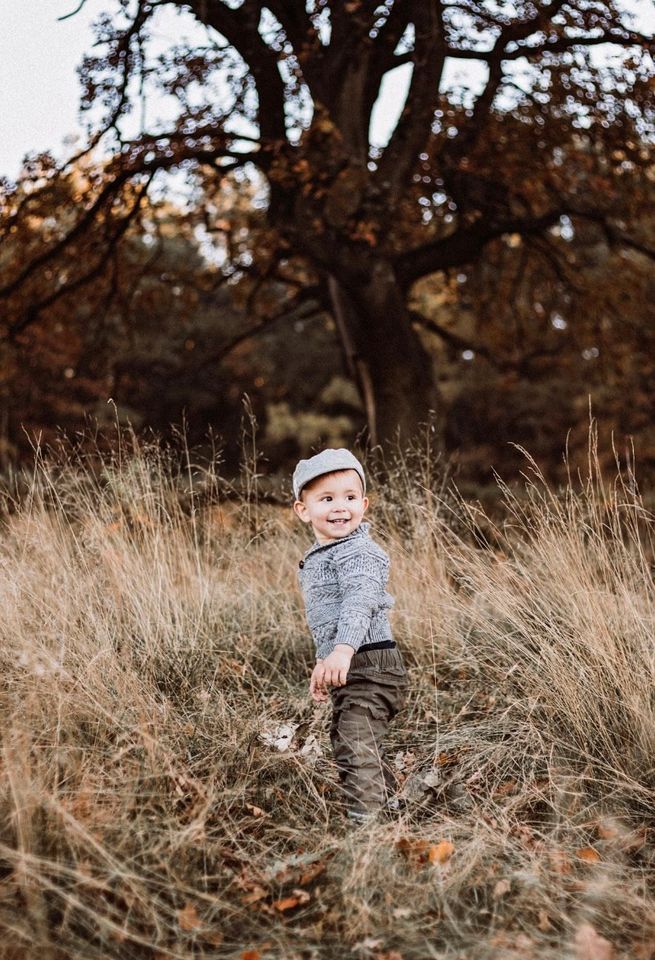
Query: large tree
(552, 122)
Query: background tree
(159, 328)
(281, 94)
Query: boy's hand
(331, 672)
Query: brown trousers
(375, 690)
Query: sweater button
(301, 564)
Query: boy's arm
(362, 579)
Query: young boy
(343, 578)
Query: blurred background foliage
(176, 303)
(522, 356)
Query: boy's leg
(363, 708)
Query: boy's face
(334, 504)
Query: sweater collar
(361, 531)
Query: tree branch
(72, 13)
(35, 309)
(451, 338)
(470, 133)
(132, 166)
(627, 39)
(240, 27)
(615, 236)
(414, 127)
(463, 246)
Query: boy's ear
(300, 510)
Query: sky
(39, 87)
(40, 90)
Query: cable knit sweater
(343, 584)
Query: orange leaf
(188, 918)
(441, 852)
(286, 903)
(257, 893)
(607, 831)
(588, 854)
(311, 872)
(502, 887)
(411, 846)
(560, 862)
(250, 955)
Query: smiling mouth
(340, 521)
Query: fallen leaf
(589, 945)
(560, 862)
(607, 831)
(367, 944)
(311, 748)
(416, 784)
(311, 873)
(250, 955)
(256, 811)
(280, 737)
(441, 852)
(257, 893)
(588, 854)
(544, 921)
(188, 918)
(505, 788)
(282, 871)
(401, 913)
(404, 760)
(502, 887)
(288, 903)
(410, 845)
(432, 778)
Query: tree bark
(395, 374)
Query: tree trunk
(393, 371)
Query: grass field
(166, 784)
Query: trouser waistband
(380, 645)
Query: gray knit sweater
(343, 585)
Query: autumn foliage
(485, 263)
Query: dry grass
(153, 644)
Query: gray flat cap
(325, 462)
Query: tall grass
(155, 660)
